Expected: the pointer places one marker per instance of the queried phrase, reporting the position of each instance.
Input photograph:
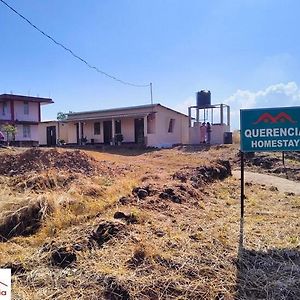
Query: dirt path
(283, 185)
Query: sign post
(268, 130)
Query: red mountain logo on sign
(280, 118)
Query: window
(26, 131)
(4, 108)
(118, 127)
(171, 125)
(96, 128)
(26, 108)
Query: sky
(246, 52)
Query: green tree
(61, 116)
(10, 131)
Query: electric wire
(72, 52)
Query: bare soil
(155, 225)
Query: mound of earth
(42, 169)
(39, 160)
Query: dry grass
(190, 250)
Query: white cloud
(281, 94)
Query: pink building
(25, 113)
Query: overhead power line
(71, 51)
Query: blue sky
(245, 51)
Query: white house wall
(163, 138)
(61, 133)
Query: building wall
(156, 128)
(33, 111)
(163, 138)
(127, 127)
(7, 115)
(34, 133)
(72, 138)
(61, 132)
(217, 134)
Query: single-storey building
(152, 125)
(24, 112)
(52, 133)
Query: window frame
(26, 107)
(26, 131)
(4, 108)
(98, 131)
(171, 125)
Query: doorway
(51, 136)
(107, 132)
(139, 131)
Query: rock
(176, 199)
(119, 215)
(124, 200)
(273, 189)
(290, 194)
(160, 233)
(169, 191)
(142, 194)
(63, 257)
(107, 230)
(163, 196)
(130, 218)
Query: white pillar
(79, 133)
(113, 129)
(145, 129)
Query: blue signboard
(270, 129)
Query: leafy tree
(61, 116)
(10, 131)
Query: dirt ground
(161, 224)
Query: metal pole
(197, 114)
(242, 184)
(151, 94)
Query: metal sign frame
(268, 130)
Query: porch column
(146, 130)
(113, 129)
(79, 133)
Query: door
(51, 136)
(139, 131)
(107, 132)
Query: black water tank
(203, 98)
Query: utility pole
(151, 95)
